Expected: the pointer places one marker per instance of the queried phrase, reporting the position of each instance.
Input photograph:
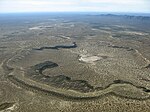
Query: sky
(130, 6)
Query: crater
(73, 79)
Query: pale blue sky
(142, 6)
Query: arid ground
(74, 63)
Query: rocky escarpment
(148, 66)
(6, 106)
(66, 87)
(74, 45)
(62, 81)
(59, 81)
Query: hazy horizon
(111, 6)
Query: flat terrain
(74, 63)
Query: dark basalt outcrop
(65, 82)
(148, 66)
(42, 66)
(61, 81)
(121, 82)
(146, 90)
(126, 82)
(5, 105)
(57, 47)
(122, 47)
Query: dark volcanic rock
(60, 81)
(65, 82)
(5, 106)
(42, 66)
(148, 66)
(59, 46)
(122, 47)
